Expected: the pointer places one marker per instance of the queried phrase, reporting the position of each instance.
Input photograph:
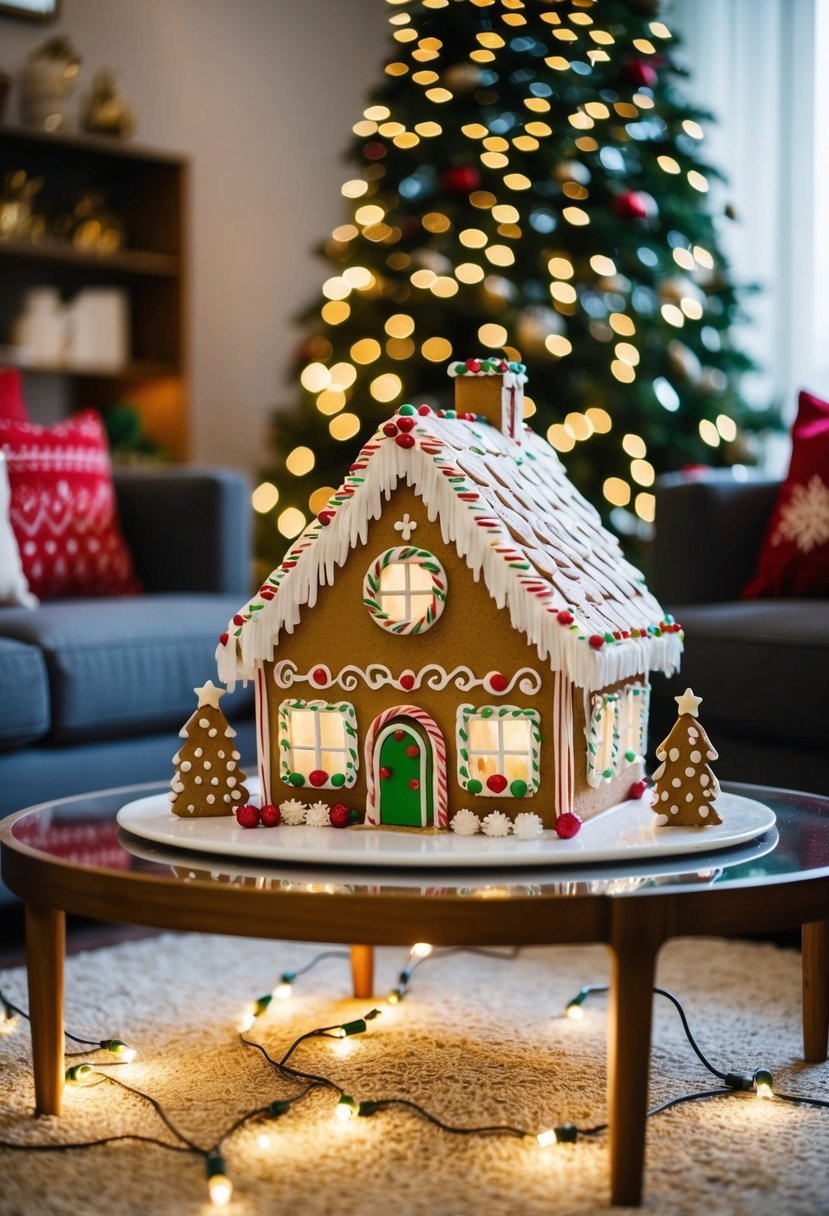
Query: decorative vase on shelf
(47, 83)
(107, 112)
(40, 330)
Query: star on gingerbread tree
(685, 788)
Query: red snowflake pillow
(63, 511)
(12, 405)
(794, 559)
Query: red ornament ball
(639, 71)
(339, 815)
(635, 205)
(568, 825)
(406, 423)
(248, 816)
(497, 783)
(461, 179)
(637, 790)
(270, 815)
(318, 777)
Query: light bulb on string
(219, 1186)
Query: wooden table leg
(45, 944)
(815, 991)
(362, 971)
(629, 1044)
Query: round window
(405, 590)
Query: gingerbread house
(456, 629)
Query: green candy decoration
(406, 411)
(486, 713)
(474, 786)
(337, 779)
(630, 757)
(518, 789)
(295, 779)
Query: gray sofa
(762, 666)
(94, 691)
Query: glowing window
(603, 738)
(633, 721)
(405, 590)
(498, 750)
(317, 744)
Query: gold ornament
(107, 112)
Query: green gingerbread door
(404, 775)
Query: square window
(317, 737)
(493, 742)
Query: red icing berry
(497, 682)
(497, 783)
(565, 617)
(267, 593)
(596, 641)
(390, 428)
(238, 619)
(318, 777)
(414, 784)
(637, 790)
(399, 735)
(319, 675)
(339, 815)
(423, 410)
(247, 816)
(385, 773)
(270, 815)
(406, 423)
(325, 517)
(473, 365)
(223, 639)
(407, 681)
(568, 825)
(413, 750)
(405, 441)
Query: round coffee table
(70, 856)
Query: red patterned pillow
(794, 559)
(63, 508)
(12, 405)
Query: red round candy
(318, 777)
(319, 675)
(390, 428)
(568, 825)
(399, 735)
(473, 365)
(565, 617)
(238, 619)
(223, 639)
(247, 816)
(406, 423)
(497, 783)
(497, 682)
(325, 517)
(339, 815)
(637, 790)
(414, 784)
(424, 410)
(385, 773)
(413, 750)
(405, 441)
(407, 681)
(596, 641)
(270, 815)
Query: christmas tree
(684, 786)
(527, 178)
(207, 779)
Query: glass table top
(82, 830)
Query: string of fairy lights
(759, 1081)
(377, 259)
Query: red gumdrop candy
(247, 816)
(339, 815)
(637, 790)
(318, 777)
(270, 815)
(568, 825)
(497, 682)
(406, 423)
(497, 783)
(390, 428)
(423, 410)
(405, 441)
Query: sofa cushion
(762, 667)
(125, 665)
(24, 694)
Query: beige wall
(261, 95)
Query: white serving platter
(628, 833)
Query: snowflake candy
(465, 823)
(527, 825)
(292, 812)
(318, 816)
(496, 823)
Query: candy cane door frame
(404, 775)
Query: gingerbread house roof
(523, 529)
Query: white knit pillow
(13, 586)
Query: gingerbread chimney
(493, 388)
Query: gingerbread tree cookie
(207, 780)
(684, 786)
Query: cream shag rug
(475, 1041)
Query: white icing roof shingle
(521, 526)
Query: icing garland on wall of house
(433, 676)
(497, 784)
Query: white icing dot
(711, 755)
(660, 753)
(664, 795)
(176, 757)
(221, 755)
(211, 732)
(236, 794)
(692, 734)
(676, 783)
(235, 755)
(690, 772)
(695, 757)
(674, 810)
(198, 752)
(191, 808)
(214, 781)
(230, 766)
(173, 795)
(704, 778)
(673, 754)
(231, 781)
(186, 766)
(703, 810)
(207, 764)
(227, 797)
(661, 820)
(211, 798)
(689, 797)
(204, 723)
